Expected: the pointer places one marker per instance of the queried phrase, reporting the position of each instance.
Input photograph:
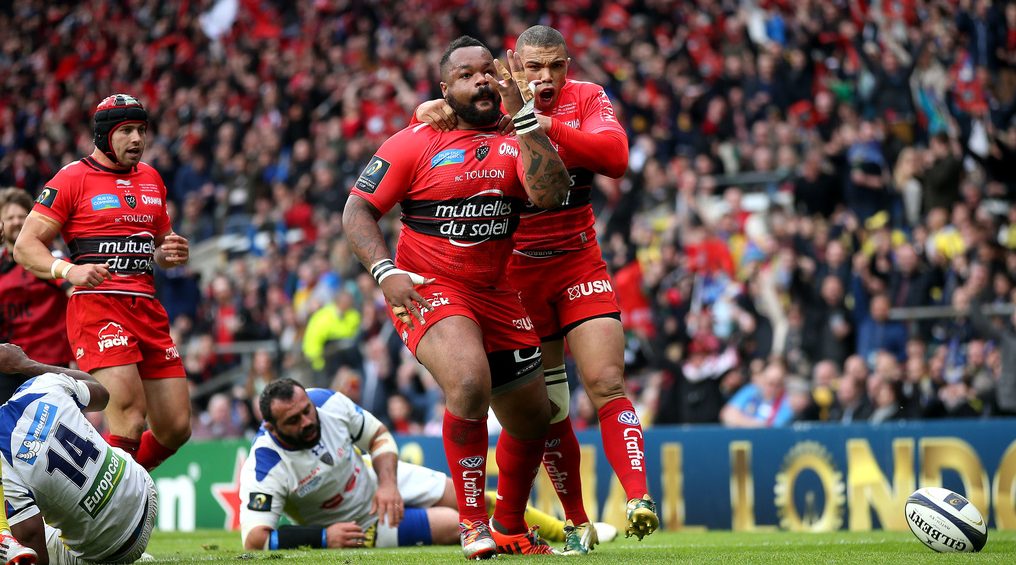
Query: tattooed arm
(546, 178)
(359, 223)
(544, 175)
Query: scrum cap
(113, 112)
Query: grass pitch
(778, 548)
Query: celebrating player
(559, 268)
(111, 210)
(99, 505)
(461, 193)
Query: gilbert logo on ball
(945, 521)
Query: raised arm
(544, 175)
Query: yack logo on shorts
(471, 462)
(628, 418)
(38, 432)
(111, 335)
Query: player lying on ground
(99, 504)
(305, 463)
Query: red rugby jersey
(33, 313)
(461, 194)
(583, 108)
(112, 217)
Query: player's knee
(605, 385)
(134, 421)
(173, 432)
(179, 436)
(469, 398)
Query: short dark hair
(540, 36)
(281, 389)
(458, 43)
(14, 195)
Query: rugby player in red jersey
(110, 208)
(559, 269)
(461, 194)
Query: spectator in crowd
(825, 376)
(852, 404)
(223, 419)
(32, 310)
(1004, 338)
(329, 340)
(761, 404)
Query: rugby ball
(945, 521)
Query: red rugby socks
(561, 458)
(624, 445)
(465, 445)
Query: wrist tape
(525, 120)
(385, 268)
(63, 272)
(291, 537)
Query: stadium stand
(810, 181)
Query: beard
(469, 113)
(308, 438)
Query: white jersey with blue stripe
(325, 484)
(56, 463)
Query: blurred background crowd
(807, 182)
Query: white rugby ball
(945, 521)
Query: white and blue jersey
(328, 483)
(56, 463)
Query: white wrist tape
(63, 272)
(386, 268)
(525, 120)
(384, 443)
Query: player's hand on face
(407, 304)
(88, 276)
(345, 534)
(438, 115)
(12, 358)
(388, 506)
(506, 85)
(175, 249)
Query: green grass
(778, 548)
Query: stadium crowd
(797, 170)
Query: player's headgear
(113, 112)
